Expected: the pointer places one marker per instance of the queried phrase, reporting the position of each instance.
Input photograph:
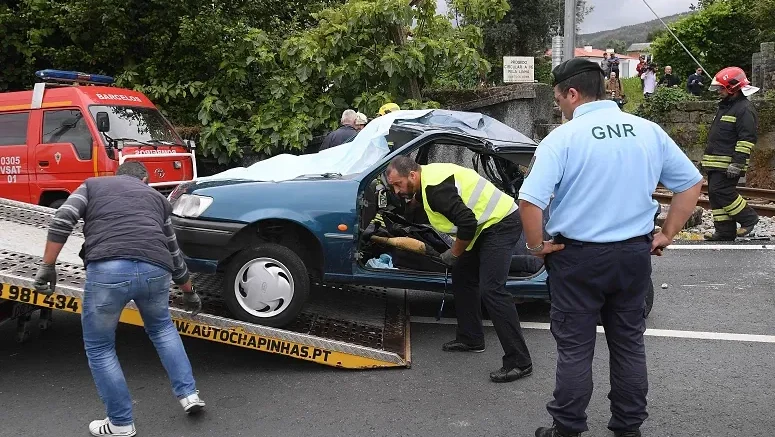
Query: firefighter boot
(725, 231)
(745, 231)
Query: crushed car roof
(370, 145)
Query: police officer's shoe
(459, 346)
(635, 433)
(555, 432)
(506, 374)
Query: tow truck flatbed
(347, 327)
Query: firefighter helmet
(388, 107)
(732, 79)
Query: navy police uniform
(602, 167)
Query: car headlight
(191, 205)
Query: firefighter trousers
(728, 206)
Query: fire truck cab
(73, 126)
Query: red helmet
(732, 79)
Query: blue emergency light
(74, 76)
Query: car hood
(370, 145)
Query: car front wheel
(266, 285)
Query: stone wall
(689, 123)
(524, 107)
(763, 70)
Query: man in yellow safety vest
(487, 227)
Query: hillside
(629, 34)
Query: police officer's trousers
(610, 280)
(728, 206)
(479, 277)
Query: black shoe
(718, 237)
(635, 433)
(554, 432)
(459, 346)
(506, 374)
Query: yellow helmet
(388, 107)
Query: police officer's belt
(560, 239)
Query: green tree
(719, 35)
(617, 45)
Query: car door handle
(43, 163)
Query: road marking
(698, 335)
(721, 247)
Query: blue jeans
(110, 285)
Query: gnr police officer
(602, 167)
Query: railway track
(761, 200)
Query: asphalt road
(698, 387)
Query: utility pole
(570, 30)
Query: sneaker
(192, 404)
(459, 346)
(635, 433)
(555, 432)
(506, 374)
(104, 427)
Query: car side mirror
(103, 122)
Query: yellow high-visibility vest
(489, 204)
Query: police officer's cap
(572, 67)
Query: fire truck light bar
(74, 76)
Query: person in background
(695, 82)
(649, 78)
(668, 79)
(387, 108)
(604, 65)
(613, 64)
(344, 134)
(641, 68)
(613, 90)
(130, 253)
(361, 121)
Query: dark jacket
(338, 137)
(124, 218)
(694, 84)
(732, 135)
(669, 80)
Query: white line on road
(721, 247)
(699, 335)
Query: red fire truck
(73, 126)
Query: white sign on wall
(518, 69)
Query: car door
(14, 159)
(64, 154)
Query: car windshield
(137, 124)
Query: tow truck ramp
(346, 327)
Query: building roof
(587, 52)
(639, 46)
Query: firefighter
(731, 139)
(388, 108)
(599, 170)
(487, 226)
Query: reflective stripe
(491, 204)
(744, 147)
(720, 215)
(475, 194)
(729, 118)
(719, 158)
(737, 206)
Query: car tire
(267, 285)
(57, 203)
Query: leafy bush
(661, 102)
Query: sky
(610, 14)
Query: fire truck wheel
(267, 284)
(57, 203)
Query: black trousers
(728, 206)
(610, 280)
(480, 277)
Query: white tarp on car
(368, 147)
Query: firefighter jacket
(732, 135)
